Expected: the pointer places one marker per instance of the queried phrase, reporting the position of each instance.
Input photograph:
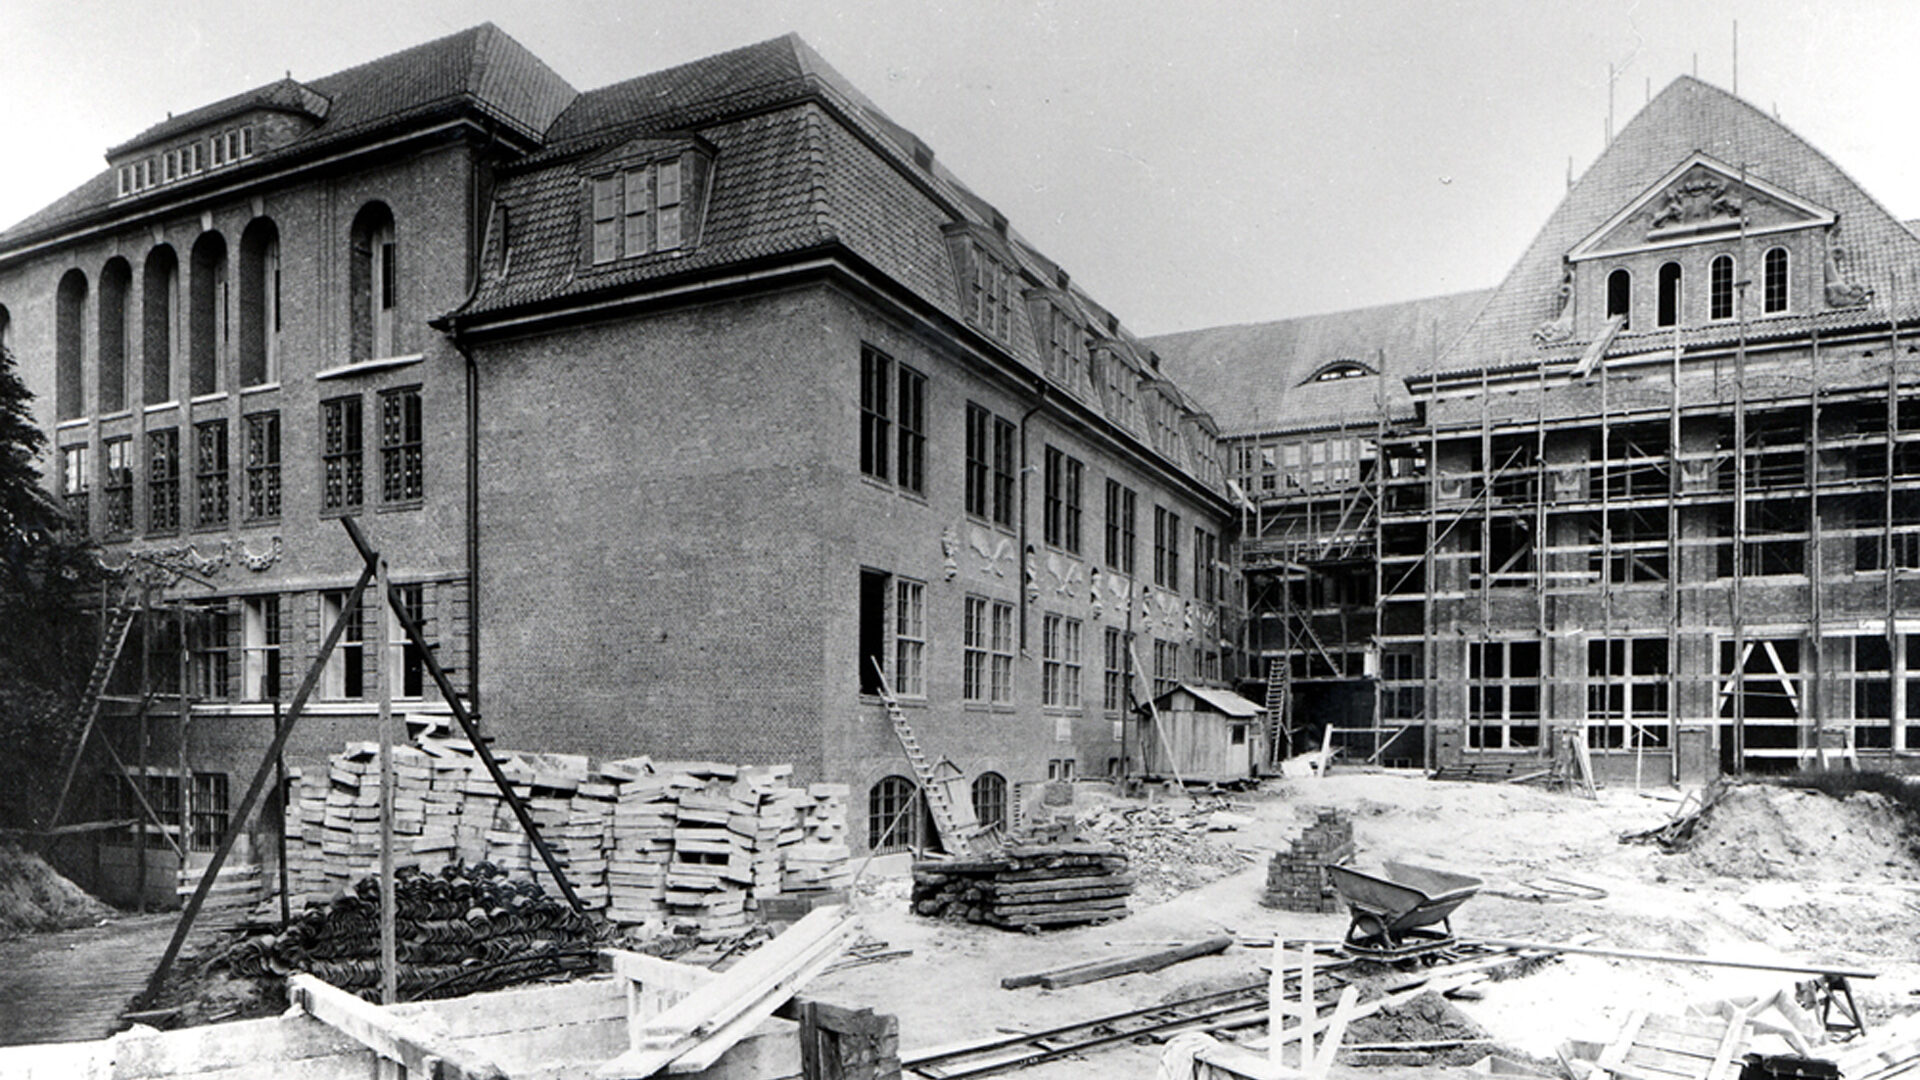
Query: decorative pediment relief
(1701, 198)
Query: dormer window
(1668, 312)
(1774, 278)
(1341, 369)
(1720, 287)
(639, 210)
(1620, 297)
(169, 166)
(990, 303)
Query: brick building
(1657, 492)
(681, 408)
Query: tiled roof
(481, 68)
(285, 95)
(1257, 377)
(1687, 116)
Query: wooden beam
(424, 1047)
(1076, 974)
(652, 986)
(1681, 958)
(718, 1013)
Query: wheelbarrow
(1394, 910)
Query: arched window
(260, 303)
(6, 332)
(1669, 312)
(892, 824)
(207, 315)
(69, 328)
(1720, 287)
(373, 284)
(160, 290)
(990, 800)
(1774, 295)
(1620, 297)
(116, 278)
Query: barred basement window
(210, 485)
(118, 486)
(990, 801)
(263, 466)
(892, 820)
(342, 465)
(163, 480)
(402, 475)
(210, 809)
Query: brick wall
(1297, 877)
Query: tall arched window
(69, 330)
(160, 290)
(1669, 308)
(207, 315)
(1774, 295)
(1620, 296)
(990, 800)
(116, 278)
(260, 303)
(373, 284)
(1720, 287)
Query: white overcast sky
(1191, 163)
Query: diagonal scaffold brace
(244, 811)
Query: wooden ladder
(112, 642)
(956, 836)
(1279, 731)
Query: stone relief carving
(166, 563)
(1842, 293)
(949, 547)
(1066, 574)
(1696, 200)
(1093, 592)
(991, 548)
(1560, 327)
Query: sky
(1191, 164)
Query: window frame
(1720, 276)
(263, 634)
(116, 485)
(1620, 297)
(1491, 690)
(403, 467)
(345, 676)
(343, 464)
(1122, 504)
(910, 423)
(163, 480)
(1060, 505)
(909, 638)
(212, 474)
(1776, 289)
(876, 420)
(264, 494)
(1621, 697)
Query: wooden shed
(1214, 735)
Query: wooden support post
(467, 722)
(238, 820)
(383, 680)
(280, 767)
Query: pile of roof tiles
(691, 845)
(463, 929)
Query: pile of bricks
(1297, 878)
(1027, 885)
(680, 844)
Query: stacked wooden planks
(688, 844)
(1027, 885)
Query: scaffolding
(1691, 558)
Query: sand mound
(1765, 831)
(33, 896)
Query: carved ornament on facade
(1695, 201)
(1560, 327)
(992, 548)
(949, 548)
(1842, 293)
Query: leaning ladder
(955, 836)
(112, 642)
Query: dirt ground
(1793, 876)
(1763, 894)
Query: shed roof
(1222, 700)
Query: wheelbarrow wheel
(1367, 929)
